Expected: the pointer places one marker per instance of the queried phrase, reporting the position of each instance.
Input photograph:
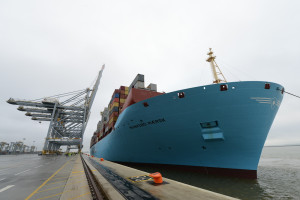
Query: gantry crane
(16, 147)
(4, 147)
(68, 117)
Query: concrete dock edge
(170, 191)
(110, 192)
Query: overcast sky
(52, 47)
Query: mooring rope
(282, 90)
(292, 94)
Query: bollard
(101, 159)
(157, 178)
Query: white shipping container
(99, 125)
(152, 87)
(105, 115)
(139, 85)
(138, 78)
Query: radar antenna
(215, 68)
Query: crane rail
(96, 192)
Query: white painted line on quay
(6, 188)
(22, 172)
(38, 166)
(2, 179)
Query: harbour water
(278, 177)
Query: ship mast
(215, 68)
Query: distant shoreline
(288, 145)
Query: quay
(84, 177)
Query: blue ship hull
(206, 128)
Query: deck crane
(216, 71)
(68, 116)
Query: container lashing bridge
(67, 113)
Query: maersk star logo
(272, 101)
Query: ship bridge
(67, 114)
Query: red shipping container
(122, 88)
(115, 92)
(111, 125)
(113, 114)
(137, 95)
(116, 100)
(112, 119)
(122, 96)
(122, 92)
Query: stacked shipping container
(119, 101)
(111, 113)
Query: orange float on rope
(101, 159)
(157, 178)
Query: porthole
(180, 94)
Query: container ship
(217, 129)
